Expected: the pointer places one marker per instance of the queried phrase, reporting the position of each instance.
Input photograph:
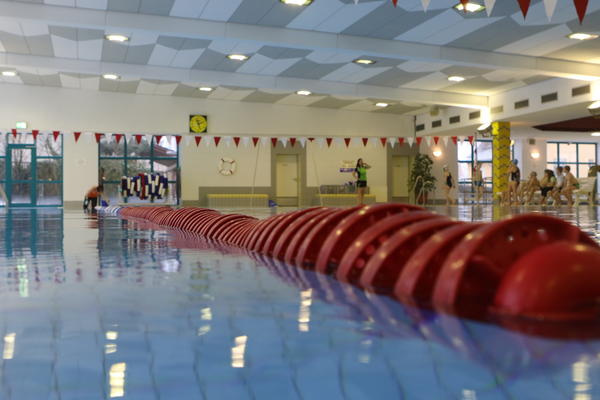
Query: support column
(501, 156)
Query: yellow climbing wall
(501, 156)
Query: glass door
(21, 175)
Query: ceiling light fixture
(596, 134)
(113, 37)
(111, 77)
(382, 105)
(582, 36)
(304, 92)
(205, 89)
(237, 57)
(469, 7)
(456, 78)
(364, 61)
(296, 2)
(594, 109)
(9, 73)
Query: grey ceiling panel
(158, 82)
(209, 59)
(30, 79)
(281, 53)
(114, 52)
(128, 87)
(579, 51)
(108, 85)
(40, 45)
(280, 14)
(465, 71)
(13, 43)
(252, 11)
(394, 78)
(395, 109)
(63, 32)
(51, 80)
(124, 5)
(156, 7)
(139, 54)
(332, 102)
(193, 44)
(377, 18)
(310, 70)
(89, 34)
(262, 97)
(171, 42)
(536, 79)
(189, 91)
(403, 23)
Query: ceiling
(176, 46)
(587, 124)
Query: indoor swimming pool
(101, 307)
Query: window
(579, 156)
(128, 158)
(467, 154)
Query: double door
(21, 171)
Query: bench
(587, 187)
(338, 200)
(237, 200)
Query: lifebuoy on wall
(227, 166)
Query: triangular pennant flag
(311, 139)
(328, 140)
(177, 139)
(489, 6)
(217, 139)
(395, 2)
(158, 138)
(118, 137)
(198, 139)
(14, 133)
(347, 141)
(455, 140)
(428, 140)
(425, 4)
(35, 134)
(445, 140)
(419, 140)
(284, 141)
(550, 6)
(401, 141)
(392, 141)
(274, 141)
(302, 141)
(524, 4)
(365, 141)
(236, 140)
(581, 7)
(264, 141)
(255, 141)
(245, 141)
(55, 135)
(462, 138)
(98, 136)
(436, 139)
(138, 138)
(470, 139)
(410, 140)
(383, 141)
(293, 141)
(320, 142)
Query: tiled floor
(106, 308)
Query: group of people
(552, 185)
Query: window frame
(574, 165)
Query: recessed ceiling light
(113, 37)
(237, 57)
(304, 92)
(470, 7)
(596, 134)
(205, 89)
(364, 61)
(296, 2)
(382, 105)
(582, 36)
(595, 105)
(111, 77)
(9, 73)
(456, 78)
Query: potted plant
(421, 180)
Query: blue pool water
(97, 308)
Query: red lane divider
(532, 266)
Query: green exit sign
(21, 125)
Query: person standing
(571, 183)
(514, 180)
(360, 173)
(448, 186)
(478, 182)
(560, 183)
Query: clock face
(198, 123)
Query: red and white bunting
(274, 142)
(383, 141)
(255, 141)
(347, 141)
(217, 140)
(35, 134)
(392, 141)
(524, 5)
(425, 4)
(395, 3)
(428, 141)
(455, 140)
(236, 140)
(410, 140)
(365, 141)
(158, 138)
(419, 139)
(292, 141)
(328, 140)
(302, 141)
(264, 141)
(550, 6)
(118, 137)
(445, 141)
(55, 135)
(401, 141)
(14, 133)
(580, 7)
(320, 142)
(470, 138)
(489, 6)
(138, 138)
(177, 139)
(436, 140)
(187, 139)
(284, 141)
(98, 136)
(245, 141)
(197, 139)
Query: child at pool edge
(478, 182)
(92, 197)
(360, 173)
(547, 185)
(448, 185)
(530, 187)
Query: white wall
(80, 167)
(323, 165)
(449, 157)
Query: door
(287, 182)
(400, 171)
(20, 175)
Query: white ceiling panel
(70, 82)
(90, 49)
(188, 8)
(186, 58)
(95, 4)
(346, 16)
(220, 10)
(64, 48)
(162, 55)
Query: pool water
(99, 307)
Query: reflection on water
(108, 308)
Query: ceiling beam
(251, 81)
(359, 46)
